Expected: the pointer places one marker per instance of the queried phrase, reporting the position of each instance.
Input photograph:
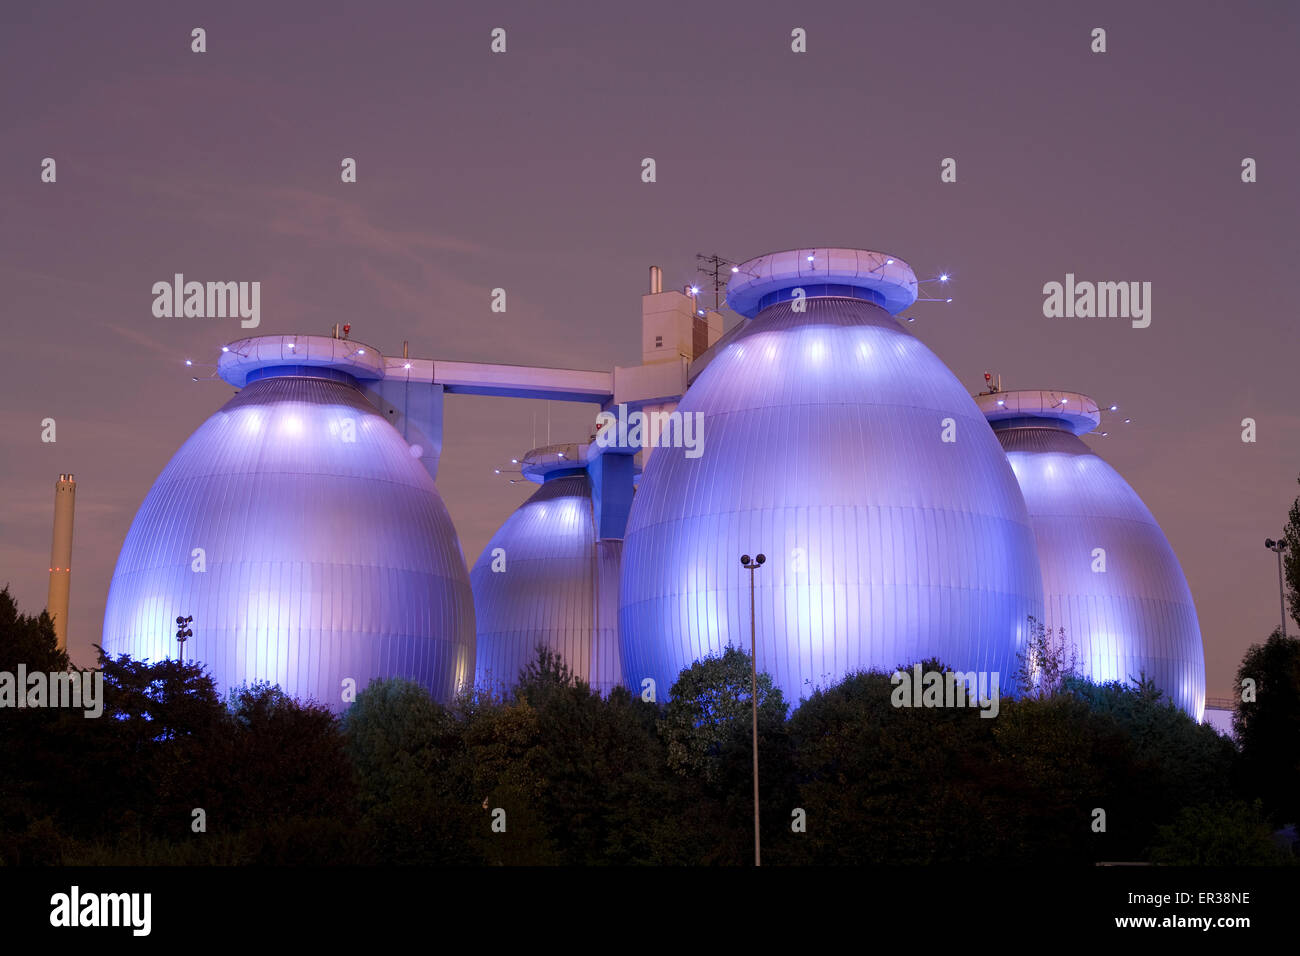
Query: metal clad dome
(326, 551)
(1138, 615)
(549, 591)
(823, 450)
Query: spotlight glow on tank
(305, 539)
(545, 578)
(887, 543)
(1110, 577)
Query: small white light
(889, 262)
(361, 351)
(695, 290)
(514, 461)
(561, 454)
(407, 365)
(943, 277)
(1001, 402)
(188, 362)
(496, 471)
(1114, 408)
(947, 300)
(1065, 401)
(225, 348)
(290, 345)
(1127, 421)
(735, 268)
(810, 258)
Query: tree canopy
(551, 772)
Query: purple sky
(522, 170)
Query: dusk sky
(522, 170)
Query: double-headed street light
(754, 565)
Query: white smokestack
(65, 496)
(656, 280)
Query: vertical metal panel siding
(1138, 616)
(548, 593)
(607, 660)
(822, 449)
(326, 557)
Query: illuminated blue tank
(842, 448)
(1110, 577)
(302, 534)
(545, 578)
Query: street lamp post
(753, 566)
(1277, 547)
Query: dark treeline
(172, 774)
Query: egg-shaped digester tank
(546, 578)
(837, 444)
(302, 534)
(1110, 577)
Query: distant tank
(841, 447)
(539, 580)
(1110, 578)
(303, 536)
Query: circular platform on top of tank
(1079, 413)
(887, 276)
(241, 358)
(553, 460)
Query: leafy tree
(1268, 727)
(589, 780)
(403, 745)
(269, 773)
(1047, 661)
(495, 770)
(1230, 834)
(642, 800)
(707, 731)
(29, 742)
(905, 785)
(289, 784)
(710, 713)
(888, 785)
(582, 778)
(1291, 558)
(1182, 762)
(28, 640)
(1056, 763)
(149, 702)
(867, 773)
(546, 676)
(606, 783)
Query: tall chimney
(65, 496)
(656, 280)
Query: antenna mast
(720, 267)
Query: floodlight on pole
(183, 633)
